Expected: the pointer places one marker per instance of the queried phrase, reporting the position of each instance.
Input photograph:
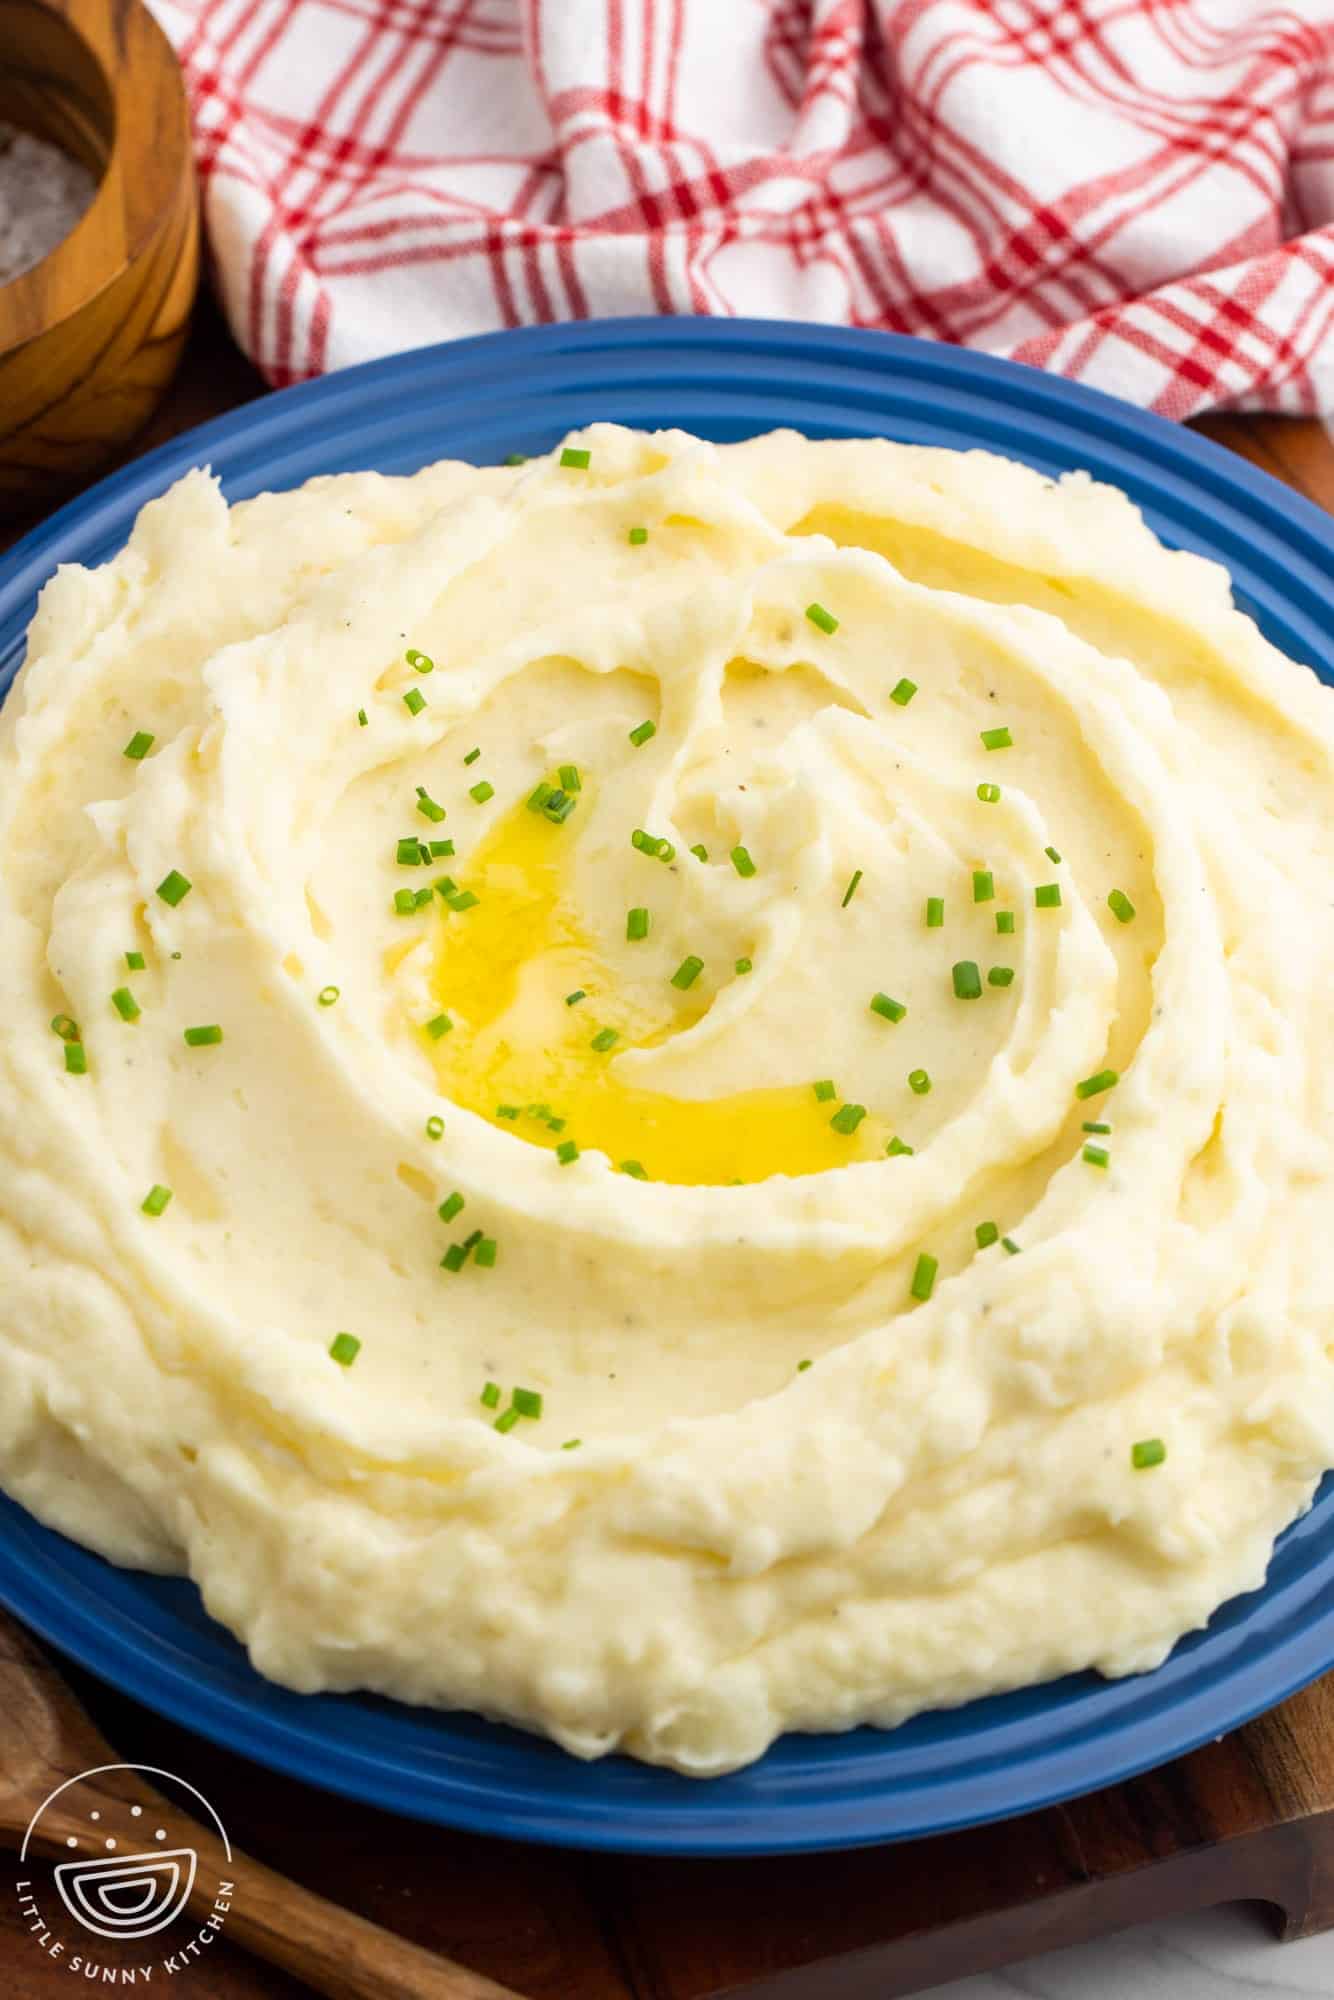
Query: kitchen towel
(1138, 194)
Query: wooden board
(1249, 1818)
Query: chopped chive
(559, 807)
(634, 1169)
(984, 886)
(919, 1082)
(125, 1004)
(1005, 922)
(423, 853)
(1093, 1086)
(604, 1039)
(408, 852)
(571, 1444)
(435, 1128)
(445, 886)
(135, 961)
(155, 1201)
(66, 1027)
(490, 1396)
(440, 849)
(404, 902)
(898, 1148)
(665, 851)
(825, 1090)
(575, 459)
(1008, 1243)
(1047, 895)
(516, 458)
(528, 1402)
(637, 537)
(1095, 1125)
(997, 739)
(986, 1234)
(967, 980)
(636, 924)
(421, 663)
(687, 972)
(643, 843)
(203, 1038)
(851, 889)
(573, 999)
(344, 1349)
(138, 746)
(1097, 1156)
(485, 1253)
(1121, 906)
(450, 1206)
(903, 691)
(76, 1059)
(538, 797)
(887, 1009)
(935, 912)
(847, 1118)
(742, 862)
(507, 1419)
(989, 794)
(174, 888)
(566, 1152)
(428, 807)
(1148, 1452)
(569, 777)
(802, 1366)
(700, 851)
(414, 701)
(824, 620)
(1001, 975)
(472, 755)
(1052, 855)
(422, 898)
(924, 1276)
(482, 791)
(363, 720)
(742, 966)
(439, 1027)
(642, 732)
(461, 900)
(454, 1258)
(507, 1111)
(556, 1124)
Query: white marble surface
(1226, 1954)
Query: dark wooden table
(1250, 1818)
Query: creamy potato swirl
(811, 870)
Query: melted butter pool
(502, 973)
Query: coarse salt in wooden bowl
(90, 336)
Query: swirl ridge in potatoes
(673, 1092)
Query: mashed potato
(690, 1090)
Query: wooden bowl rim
(149, 59)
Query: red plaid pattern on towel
(1135, 193)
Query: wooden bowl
(90, 337)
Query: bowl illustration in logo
(128, 1895)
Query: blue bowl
(727, 379)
